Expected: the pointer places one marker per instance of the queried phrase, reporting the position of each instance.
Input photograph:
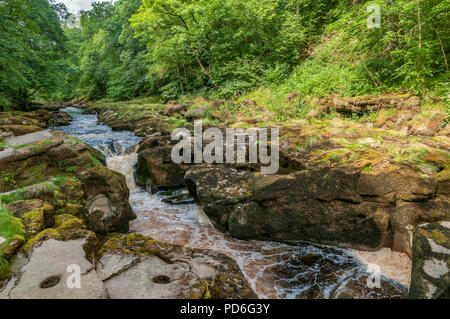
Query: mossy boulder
(80, 177)
(431, 262)
(35, 214)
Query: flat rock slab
(46, 275)
(150, 278)
(30, 138)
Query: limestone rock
(60, 119)
(156, 169)
(134, 266)
(47, 274)
(431, 262)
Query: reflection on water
(275, 270)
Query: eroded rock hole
(50, 282)
(163, 280)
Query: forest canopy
(221, 48)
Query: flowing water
(274, 270)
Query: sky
(76, 5)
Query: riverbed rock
(24, 123)
(156, 169)
(431, 262)
(47, 274)
(60, 119)
(103, 216)
(300, 206)
(134, 266)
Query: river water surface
(274, 270)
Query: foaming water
(274, 270)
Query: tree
(31, 49)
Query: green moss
(34, 221)
(10, 226)
(7, 180)
(48, 233)
(367, 169)
(96, 161)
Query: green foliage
(193, 45)
(10, 227)
(222, 48)
(111, 59)
(31, 50)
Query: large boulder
(316, 205)
(337, 206)
(431, 262)
(156, 169)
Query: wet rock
(60, 119)
(334, 206)
(102, 216)
(301, 206)
(156, 169)
(134, 266)
(107, 203)
(178, 198)
(431, 262)
(356, 287)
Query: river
(274, 270)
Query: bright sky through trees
(77, 5)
